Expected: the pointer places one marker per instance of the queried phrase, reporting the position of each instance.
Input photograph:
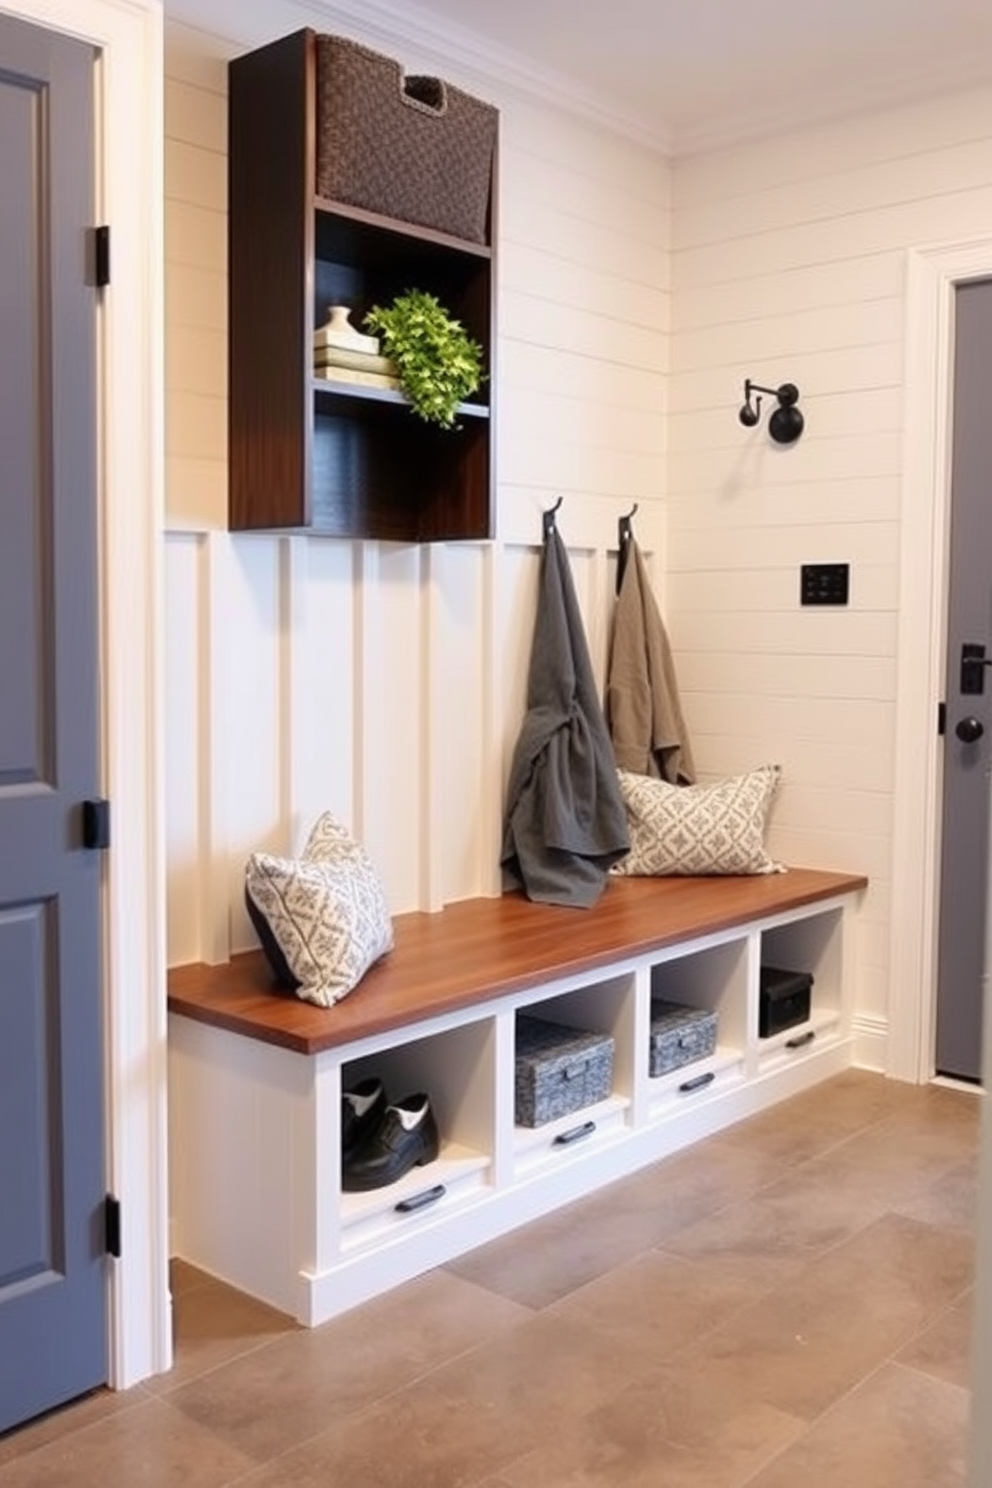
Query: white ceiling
(699, 73)
(684, 75)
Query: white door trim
(128, 34)
(932, 275)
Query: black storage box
(784, 999)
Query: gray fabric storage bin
(679, 1035)
(558, 1070)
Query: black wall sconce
(786, 423)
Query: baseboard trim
(871, 1042)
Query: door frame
(932, 276)
(129, 178)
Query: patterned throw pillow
(321, 917)
(698, 829)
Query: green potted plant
(437, 362)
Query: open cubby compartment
(455, 1068)
(367, 443)
(813, 944)
(362, 261)
(713, 978)
(604, 1007)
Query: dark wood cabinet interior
(305, 453)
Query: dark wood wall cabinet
(306, 453)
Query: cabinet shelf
(343, 460)
(325, 389)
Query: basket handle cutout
(426, 93)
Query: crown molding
(389, 24)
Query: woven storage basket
(410, 147)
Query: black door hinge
(96, 823)
(112, 1225)
(101, 256)
(941, 719)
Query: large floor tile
(805, 1344)
(943, 1349)
(812, 1123)
(150, 1445)
(656, 1305)
(274, 1398)
(898, 1429)
(215, 1324)
(777, 1231)
(552, 1257)
(76, 1416)
(951, 1199)
(467, 1420)
(664, 1429)
(545, 1260)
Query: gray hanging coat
(643, 712)
(565, 823)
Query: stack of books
(342, 354)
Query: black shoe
(394, 1148)
(362, 1109)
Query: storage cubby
(456, 1070)
(307, 453)
(604, 1008)
(813, 944)
(714, 979)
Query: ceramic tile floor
(787, 1303)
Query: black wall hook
(624, 533)
(786, 422)
(548, 518)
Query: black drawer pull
(801, 1039)
(574, 1134)
(697, 1083)
(420, 1200)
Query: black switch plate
(824, 583)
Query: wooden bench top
(476, 949)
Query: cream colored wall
(386, 682)
(789, 264)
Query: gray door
(52, 1267)
(964, 880)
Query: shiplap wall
(789, 264)
(634, 298)
(387, 682)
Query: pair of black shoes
(382, 1141)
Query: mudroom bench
(256, 1076)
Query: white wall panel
(789, 264)
(785, 332)
(318, 625)
(847, 369)
(797, 155)
(772, 294)
(830, 197)
(183, 782)
(860, 232)
(461, 840)
(613, 388)
(247, 759)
